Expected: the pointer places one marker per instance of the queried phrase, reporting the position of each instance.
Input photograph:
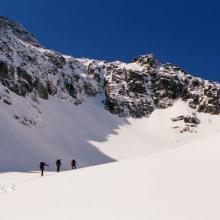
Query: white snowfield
(161, 174)
(87, 132)
(181, 183)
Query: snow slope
(52, 105)
(86, 132)
(154, 134)
(55, 106)
(181, 183)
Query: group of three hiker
(58, 165)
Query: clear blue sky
(184, 32)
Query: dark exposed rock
(71, 89)
(187, 119)
(57, 59)
(22, 74)
(4, 69)
(18, 30)
(147, 60)
(52, 90)
(17, 117)
(95, 71)
(190, 123)
(6, 99)
(41, 89)
(136, 90)
(186, 129)
(89, 90)
(27, 122)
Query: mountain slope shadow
(65, 133)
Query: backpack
(58, 162)
(42, 164)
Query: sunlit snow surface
(181, 183)
(87, 132)
(160, 173)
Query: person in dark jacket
(58, 164)
(42, 167)
(73, 164)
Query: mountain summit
(8, 26)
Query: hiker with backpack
(58, 164)
(42, 167)
(73, 164)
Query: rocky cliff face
(134, 89)
(137, 89)
(27, 68)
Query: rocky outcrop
(128, 91)
(190, 123)
(134, 89)
(7, 26)
(138, 91)
(187, 119)
(28, 68)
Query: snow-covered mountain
(134, 89)
(158, 122)
(57, 106)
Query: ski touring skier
(42, 167)
(58, 164)
(73, 164)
